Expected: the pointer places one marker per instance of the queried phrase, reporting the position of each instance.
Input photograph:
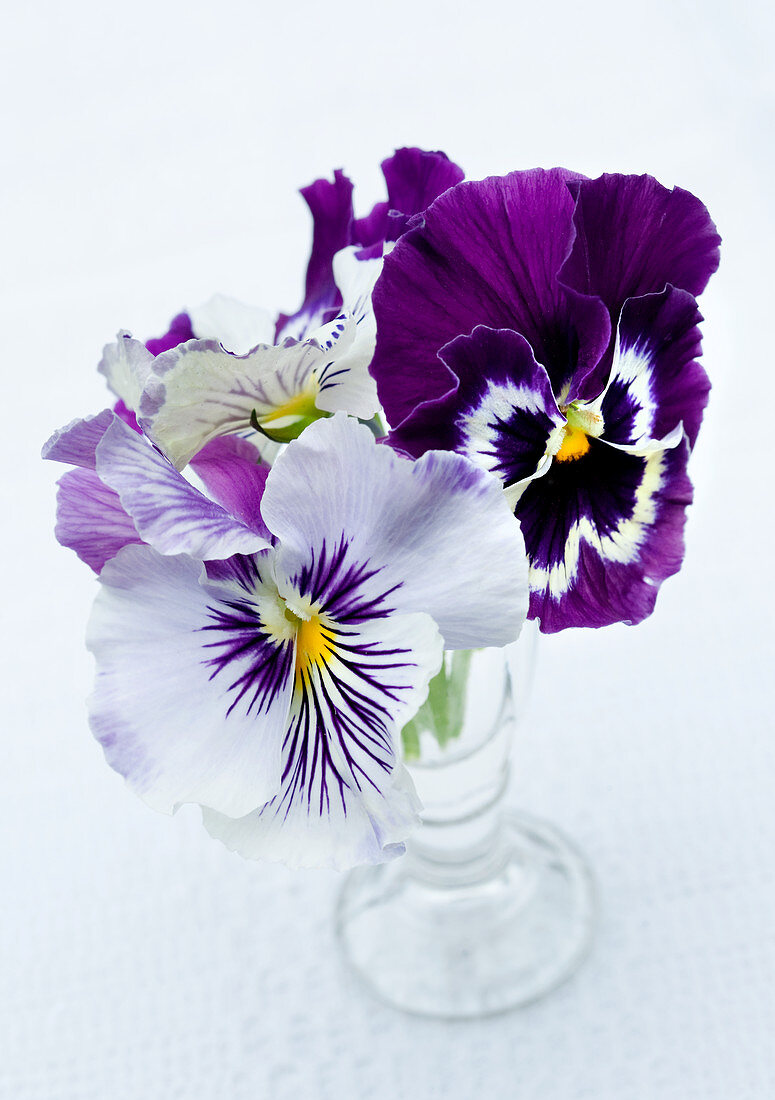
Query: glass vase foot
(463, 941)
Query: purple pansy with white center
(545, 325)
(270, 686)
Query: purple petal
(91, 520)
(656, 382)
(414, 178)
(488, 253)
(634, 236)
(76, 443)
(372, 230)
(332, 213)
(179, 331)
(170, 514)
(234, 476)
(602, 533)
(126, 414)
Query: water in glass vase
(489, 909)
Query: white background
(151, 155)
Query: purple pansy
(545, 325)
(413, 177)
(270, 687)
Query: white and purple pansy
(237, 380)
(545, 325)
(270, 686)
(123, 491)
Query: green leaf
(443, 712)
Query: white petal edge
(157, 711)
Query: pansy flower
(270, 687)
(546, 326)
(246, 369)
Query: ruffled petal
(602, 532)
(487, 253)
(331, 206)
(656, 381)
(634, 236)
(236, 326)
(76, 443)
(345, 798)
(170, 514)
(501, 414)
(192, 697)
(414, 178)
(436, 534)
(90, 519)
(126, 364)
(201, 391)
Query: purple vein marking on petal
(329, 710)
(334, 582)
(76, 443)
(269, 664)
(90, 519)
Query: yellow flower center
(314, 644)
(575, 444)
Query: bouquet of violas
(482, 412)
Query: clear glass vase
(489, 908)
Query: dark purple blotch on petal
(601, 488)
(516, 438)
(487, 253)
(664, 328)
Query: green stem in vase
(443, 712)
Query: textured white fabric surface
(152, 157)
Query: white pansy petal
(199, 391)
(438, 533)
(235, 325)
(345, 797)
(170, 514)
(126, 365)
(347, 384)
(191, 698)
